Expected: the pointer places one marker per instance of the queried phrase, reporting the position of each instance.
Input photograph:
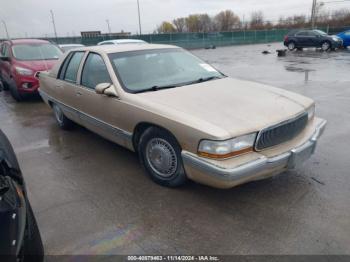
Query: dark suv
(298, 39)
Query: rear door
(65, 89)
(303, 39)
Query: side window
(94, 72)
(302, 33)
(5, 50)
(73, 67)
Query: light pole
(315, 9)
(54, 25)
(109, 27)
(138, 8)
(7, 32)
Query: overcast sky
(32, 17)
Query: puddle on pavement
(34, 146)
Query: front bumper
(27, 84)
(203, 171)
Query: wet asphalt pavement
(91, 196)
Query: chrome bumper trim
(288, 160)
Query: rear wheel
(326, 46)
(160, 155)
(291, 46)
(61, 119)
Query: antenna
(7, 33)
(54, 24)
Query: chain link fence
(199, 40)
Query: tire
(62, 121)
(325, 46)
(33, 250)
(14, 92)
(4, 84)
(160, 155)
(291, 46)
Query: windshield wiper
(156, 88)
(205, 79)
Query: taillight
(286, 38)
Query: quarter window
(95, 72)
(73, 67)
(64, 66)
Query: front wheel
(160, 155)
(14, 93)
(61, 119)
(325, 46)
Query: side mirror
(5, 58)
(100, 88)
(106, 89)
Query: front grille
(281, 133)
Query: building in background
(91, 34)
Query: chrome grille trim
(276, 134)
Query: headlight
(24, 71)
(311, 111)
(228, 148)
(336, 39)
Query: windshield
(156, 69)
(29, 52)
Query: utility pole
(7, 32)
(54, 25)
(109, 27)
(138, 8)
(313, 13)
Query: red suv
(20, 62)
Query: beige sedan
(184, 118)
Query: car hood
(37, 65)
(231, 105)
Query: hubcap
(325, 46)
(161, 157)
(291, 46)
(58, 114)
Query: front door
(100, 113)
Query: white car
(67, 47)
(122, 42)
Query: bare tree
(257, 20)
(227, 21)
(180, 24)
(205, 23)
